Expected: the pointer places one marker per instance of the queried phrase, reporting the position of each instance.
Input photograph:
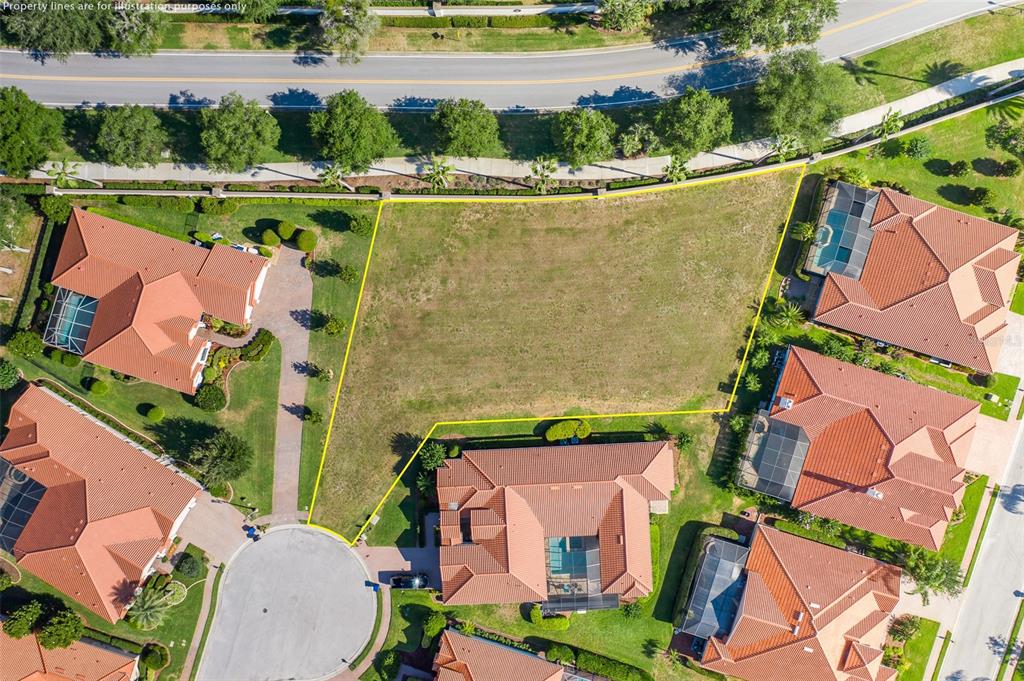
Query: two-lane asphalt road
(504, 81)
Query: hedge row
(116, 641)
(469, 191)
(256, 349)
(178, 204)
(169, 184)
(529, 21)
(34, 290)
(610, 669)
(626, 184)
(25, 188)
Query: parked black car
(407, 580)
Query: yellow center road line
(667, 70)
(869, 19)
(381, 81)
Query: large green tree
(23, 620)
(346, 27)
(584, 136)
(466, 127)
(223, 457)
(132, 30)
(802, 97)
(61, 630)
(697, 121)
(351, 132)
(131, 136)
(933, 574)
(260, 10)
(28, 132)
(237, 134)
(769, 23)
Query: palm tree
(787, 314)
(805, 231)
(63, 172)
(149, 609)
(1011, 218)
(890, 124)
(932, 574)
(438, 173)
(332, 176)
(783, 146)
(675, 171)
(542, 172)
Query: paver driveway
(292, 606)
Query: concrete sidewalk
(499, 167)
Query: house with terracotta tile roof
(132, 300)
(913, 274)
(467, 658)
(83, 508)
(789, 608)
(85, 660)
(567, 526)
(869, 450)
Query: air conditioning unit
(786, 402)
(874, 493)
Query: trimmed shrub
(982, 196)
(210, 398)
(203, 237)
(258, 347)
(189, 566)
(335, 326)
(286, 230)
(155, 656)
(55, 208)
(155, 413)
(213, 206)
(633, 611)
(360, 225)
(5, 581)
(270, 238)
(918, 147)
(469, 22)
(306, 240)
(179, 204)
(70, 360)
(609, 668)
(555, 623)
(960, 168)
(26, 343)
(1010, 168)
(265, 251)
(567, 429)
(560, 654)
(98, 387)
(348, 274)
(8, 375)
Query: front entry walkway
(294, 606)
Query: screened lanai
(70, 321)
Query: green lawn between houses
(249, 414)
(918, 649)
(1017, 304)
(175, 633)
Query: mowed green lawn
(477, 310)
(250, 413)
(959, 139)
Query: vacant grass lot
(524, 309)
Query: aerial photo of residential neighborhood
(512, 340)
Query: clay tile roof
(464, 658)
(512, 499)
(868, 430)
(151, 291)
(107, 510)
(25, 660)
(929, 275)
(820, 594)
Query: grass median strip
(942, 655)
(993, 497)
(1011, 643)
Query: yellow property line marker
(535, 419)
